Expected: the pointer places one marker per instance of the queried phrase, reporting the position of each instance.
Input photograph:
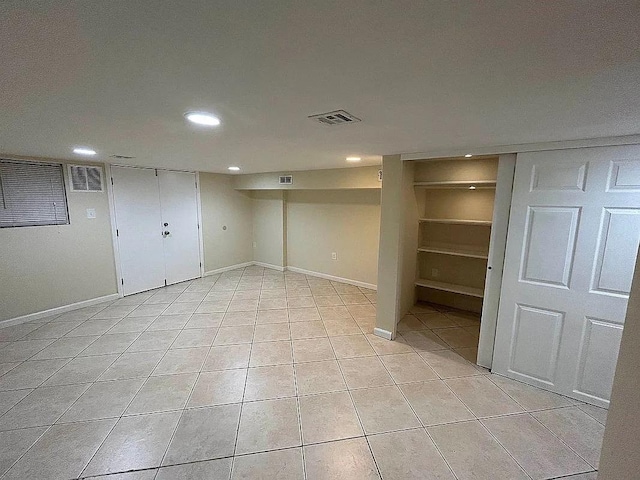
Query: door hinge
(117, 233)
(165, 282)
(122, 281)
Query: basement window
(32, 194)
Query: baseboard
(226, 269)
(269, 265)
(57, 310)
(386, 334)
(357, 283)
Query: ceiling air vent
(337, 117)
(122, 157)
(85, 178)
(285, 180)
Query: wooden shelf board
(456, 221)
(456, 250)
(465, 184)
(450, 287)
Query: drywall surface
(334, 179)
(620, 458)
(268, 227)
(52, 266)
(227, 221)
(346, 222)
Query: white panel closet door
(139, 224)
(179, 204)
(573, 237)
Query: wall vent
(121, 157)
(286, 180)
(337, 117)
(85, 178)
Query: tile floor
(259, 374)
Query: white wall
(269, 227)
(223, 206)
(52, 266)
(343, 221)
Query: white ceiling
(117, 75)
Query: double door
(157, 230)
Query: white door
(573, 238)
(179, 205)
(138, 223)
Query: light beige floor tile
(270, 382)
(15, 443)
(268, 425)
(169, 322)
(354, 299)
(118, 311)
(583, 476)
(534, 447)
(312, 350)
(577, 429)
(273, 293)
(243, 305)
(362, 311)
(408, 367)
(132, 365)
(272, 303)
(188, 296)
(182, 308)
(600, 414)
(435, 403)
(334, 313)
(272, 316)
(23, 350)
(321, 290)
(328, 300)
(195, 337)
(53, 330)
(11, 397)
(364, 372)
(271, 332)
(225, 357)
(457, 337)
(464, 319)
(204, 434)
(531, 398)
(62, 452)
(448, 364)
(154, 340)
(110, 344)
(473, 453)
(150, 434)
(410, 323)
(212, 306)
(342, 459)
(204, 320)
(218, 388)
(158, 394)
(345, 288)
(234, 335)
(388, 347)
(41, 407)
(149, 310)
(15, 332)
(367, 325)
(132, 324)
(281, 464)
(271, 353)
(30, 374)
(435, 320)
(183, 360)
(422, 308)
(210, 470)
(319, 377)
(383, 409)
(300, 330)
(302, 291)
(300, 302)
(81, 370)
(351, 346)
(93, 327)
(65, 347)
(425, 340)
(327, 417)
(239, 318)
(482, 397)
(470, 354)
(5, 367)
(343, 326)
(408, 455)
(303, 314)
(103, 400)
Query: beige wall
(620, 458)
(335, 178)
(268, 227)
(343, 221)
(223, 206)
(52, 266)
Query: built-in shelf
(456, 221)
(456, 250)
(450, 287)
(464, 184)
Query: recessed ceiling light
(202, 118)
(353, 159)
(234, 169)
(468, 155)
(84, 151)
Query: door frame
(112, 218)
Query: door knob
(166, 224)
(166, 232)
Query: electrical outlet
(434, 272)
(334, 256)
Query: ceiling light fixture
(202, 118)
(468, 155)
(234, 169)
(353, 159)
(84, 151)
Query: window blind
(32, 194)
